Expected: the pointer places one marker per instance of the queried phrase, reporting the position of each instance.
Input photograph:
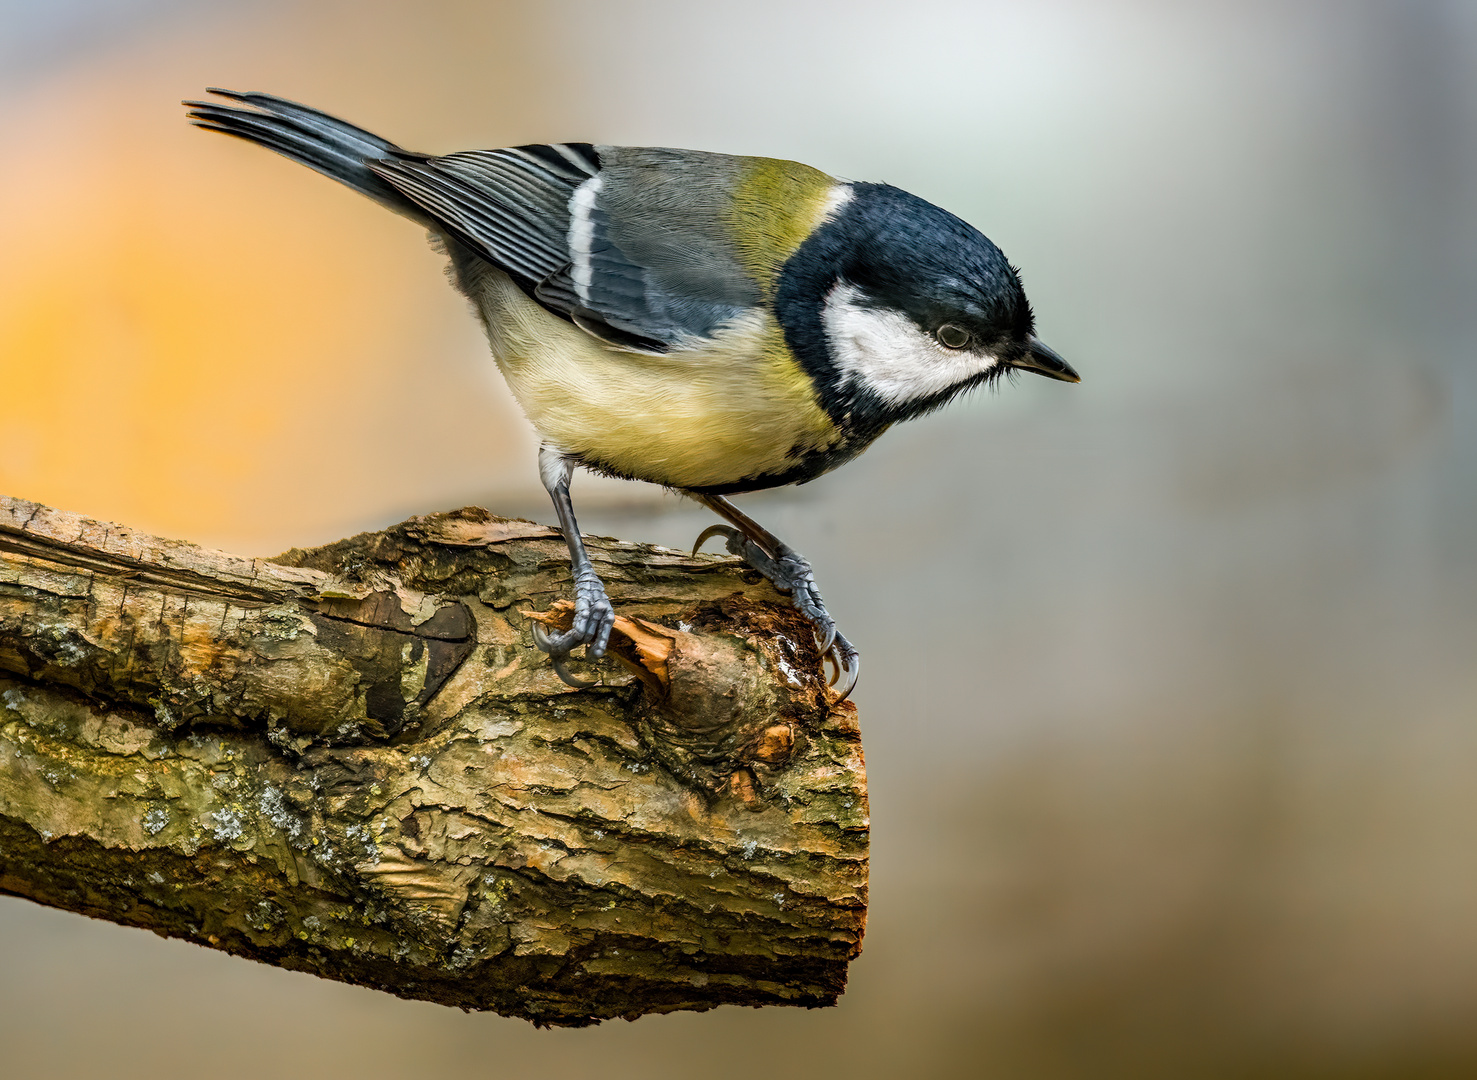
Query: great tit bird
(711, 323)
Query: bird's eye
(952, 337)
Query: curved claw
(711, 531)
(846, 663)
(829, 639)
(845, 686)
(566, 677)
(558, 652)
(555, 646)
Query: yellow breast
(736, 407)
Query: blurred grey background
(1169, 686)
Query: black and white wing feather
(511, 205)
(598, 246)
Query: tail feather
(331, 146)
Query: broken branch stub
(353, 761)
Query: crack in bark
(125, 569)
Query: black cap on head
(911, 256)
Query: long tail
(317, 140)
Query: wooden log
(353, 761)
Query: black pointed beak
(1043, 360)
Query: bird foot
(788, 572)
(594, 615)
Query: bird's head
(895, 306)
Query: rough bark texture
(352, 761)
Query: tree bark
(352, 761)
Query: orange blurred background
(1169, 678)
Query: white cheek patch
(885, 352)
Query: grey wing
(651, 256)
(630, 245)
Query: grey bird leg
(789, 573)
(593, 613)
